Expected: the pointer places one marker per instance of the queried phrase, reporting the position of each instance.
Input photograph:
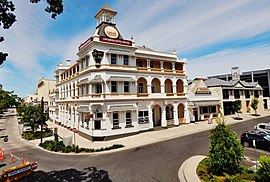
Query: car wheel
(246, 144)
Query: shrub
(226, 152)
(59, 146)
(263, 173)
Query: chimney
(68, 61)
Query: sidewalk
(146, 137)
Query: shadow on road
(88, 174)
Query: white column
(173, 66)
(150, 115)
(76, 89)
(163, 117)
(186, 113)
(149, 90)
(148, 63)
(175, 114)
(161, 66)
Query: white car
(26, 128)
(263, 127)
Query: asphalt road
(154, 162)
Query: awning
(97, 80)
(83, 109)
(121, 108)
(121, 79)
(84, 81)
(121, 52)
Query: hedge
(58, 146)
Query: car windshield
(267, 137)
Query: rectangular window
(87, 61)
(99, 115)
(141, 88)
(87, 89)
(126, 61)
(213, 109)
(126, 87)
(97, 124)
(98, 89)
(113, 86)
(113, 58)
(143, 117)
(128, 118)
(139, 63)
(115, 120)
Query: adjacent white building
(30, 98)
(204, 102)
(117, 88)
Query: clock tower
(105, 14)
(106, 26)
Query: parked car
(26, 128)
(262, 139)
(263, 127)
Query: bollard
(12, 158)
(22, 159)
(2, 154)
(27, 160)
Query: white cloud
(248, 59)
(184, 25)
(192, 24)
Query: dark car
(262, 139)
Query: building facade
(203, 102)
(230, 91)
(116, 88)
(260, 76)
(44, 87)
(31, 99)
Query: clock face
(111, 32)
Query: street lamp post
(42, 118)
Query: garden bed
(36, 134)
(246, 174)
(58, 146)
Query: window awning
(83, 109)
(84, 81)
(121, 79)
(97, 80)
(121, 108)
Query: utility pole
(42, 118)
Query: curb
(187, 171)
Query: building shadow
(90, 174)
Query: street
(154, 162)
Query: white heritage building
(116, 88)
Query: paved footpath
(147, 137)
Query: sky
(213, 35)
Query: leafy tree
(263, 173)
(254, 104)
(7, 18)
(225, 152)
(32, 115)
(237, 106)
(8, 99)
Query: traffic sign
(34, 166)
(74, 130)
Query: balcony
(142, 94)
